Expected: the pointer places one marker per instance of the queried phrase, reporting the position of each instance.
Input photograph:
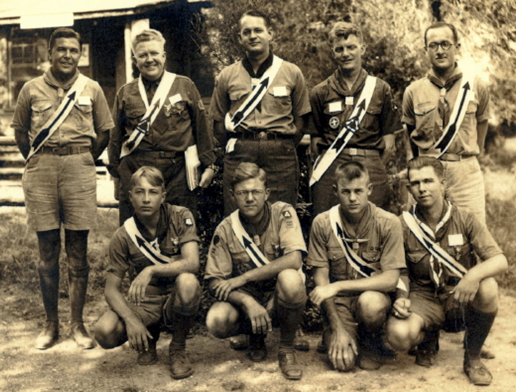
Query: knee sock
(431, 341)
(77, 287)
(289, 316)
(49, 283)
(478, 327)
(182, 321)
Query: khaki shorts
(153, 309)
(60, 189)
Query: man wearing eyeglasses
(446, 114)
(158, 117)
(253, 269)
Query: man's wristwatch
(214, 167)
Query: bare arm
(301, 125)
(100, 144)
(23, 142)
(220, 133)
(389, 148)
(482, 129)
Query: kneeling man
(253, 269)
(159, 248)
(448, 288)
(357, 252)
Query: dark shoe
(369, 360)
(425, 357)
(239, 342)
(81, 337)
(477, 372)
(48, 337)
(257, 351)
(412, 351)
(150, 356)
(289, 366)
(180, 367)
(486, 353)
(322, 347)
(300, 342)
(387, 352)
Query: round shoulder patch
(189, 222)
(334, 122)
(216, 239)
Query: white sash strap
(465, 95)
(350, 128)
(57, 118)
(151, 113)
(357, 263)
(253, 251)
(151, 251)
(434, 248)
(254, 98)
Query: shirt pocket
(176, 113)
(278, 102)
(339, 267)
(41, 112)
(134, 115)
(83, 115)
(241, 263)
(425, 115)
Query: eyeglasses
(244, 194)
(445, 45)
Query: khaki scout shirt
(40, 98)
(176, 227)
(227, 258)
(381, 116)
(419, 109)
(461, 228)
(286, 99)
(383, 246)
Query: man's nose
(249, 197)
(146, 197)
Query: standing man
(354, 119)
(259, 108)
(448, 289)
(159, 248)
(253, 269)
(446, 114)
(357, 253)
(62, 125)
(160, 121)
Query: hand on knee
(188, 290)
(486, 299)
(291, 288)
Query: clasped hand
(223, 288)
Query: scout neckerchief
(253, 251)
(152, 111)
(455, 118)
(57, 118)
(149, 250)
(350, 128)
(426, 236)
(365, 269)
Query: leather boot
(49, 283)
(78, 283)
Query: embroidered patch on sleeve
(189, 222)
(287, 214)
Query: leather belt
(158, 154)
(453, 157)
(63, 150)
(260, 134)
(360, 152)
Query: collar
(364, 225)
(161, 227)
(52, 81)
(260, 227)
(148, 83)
(261, 69)
(444, 219)
(456, 75)
(338, 83)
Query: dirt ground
(64, 367)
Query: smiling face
(250, 196)
(353, 194)
(254, 35)
(425, 186)
(149, 58)
(348, 52)
(64, 56)
(146, 198)
(440, 58)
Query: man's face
(254, 35)
(353, 195)
(425, 186)
(348, 52)
(146, 198)
(250, 196)
(64, 56)
(149, 58)
(441, 58)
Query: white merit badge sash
(149, 250)
(253, 251)
(351, 127)
(357, 263)
(151, 113)
(425, 235)
(256, 95)
(57, 118)
(465, 95)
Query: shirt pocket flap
(237, 95)
(374, 109)
(135, 113)
(416, 256)
(424, 108)
(40, 107)
(335, 253)
(472, 107)
(84, 108)
(371, 257)
(280, 91)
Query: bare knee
(290, 286)
(221, 319)
(109, 331)
(487, 297)
(188, 289)
(372, 308)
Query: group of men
(382, 282)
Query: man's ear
(268, 192)
(370, 188)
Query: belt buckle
(262, 135)
(353, 151)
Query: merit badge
(167, 110)
(188, 222)
(334, 122)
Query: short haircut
(146, 36)
(153, 175)
(257, 14)
(437, 25)
(64, 32)
(341, 30)
(350, 171)
(246, 171)
(424, 161)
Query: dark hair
(153, 175)
(437, 25)
(424, 161)
(257, 14)
(343, 30)
(64, 32)
(350, 171)
(246, 171)
(146, 36)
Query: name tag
(455, 240)
(175, 99)
(84, 101)
(349, 101)
(280, 91)
(335, 107)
